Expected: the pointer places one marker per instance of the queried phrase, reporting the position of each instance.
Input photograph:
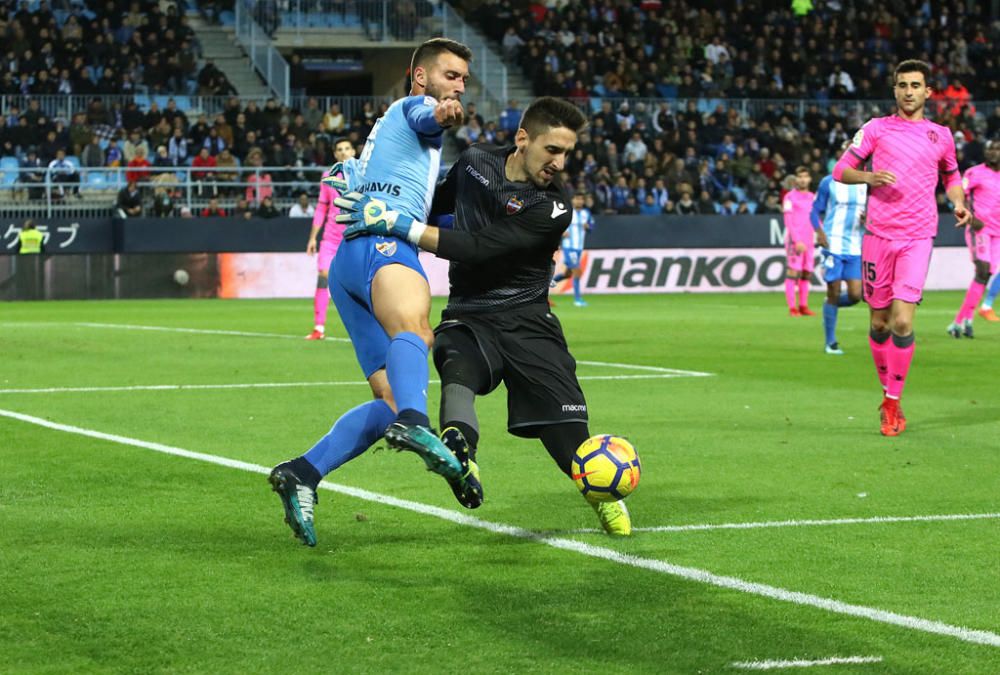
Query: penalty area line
(599, 552)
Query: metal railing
(62, 106)
(264, 58)
(377, 20)
(93, 192)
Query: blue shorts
(354, 268)
(571, 257)
(841, 267)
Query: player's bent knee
(982, 272)
(458, 360)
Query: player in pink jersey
(982, 187)
(799, 243)
(908, 153)
(333, 233)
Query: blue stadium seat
(103, 143)
(183, 102)
(8, 172)
(161, 101)
(227, 18)
(667, 90)
(74, 160)
(96, 180)
(142, 100)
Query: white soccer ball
(182, 277)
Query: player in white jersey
(572, 248)
(838, 216)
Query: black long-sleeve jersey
(504, 235)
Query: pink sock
(320, 303)
(972, 297)
(790, 293)
(880, 353)
(803, 292)
(898, 359)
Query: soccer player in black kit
(510, 215)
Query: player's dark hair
(342, 139)
(548, 112)
(430, 50)
(913, 66)
(801, 169)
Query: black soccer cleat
(468, 491)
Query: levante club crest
(514, 205)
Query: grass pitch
(116, 557)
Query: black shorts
(526, 350)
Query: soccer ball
(606, 468)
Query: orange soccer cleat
(805, 311)
(988, 314)
(891, 415)
(316, 335)
(793, 312)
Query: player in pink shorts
(908, 154)
(982, 187)
(800, 248)
(333, 233)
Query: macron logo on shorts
(574, 408)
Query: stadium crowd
(664, 86)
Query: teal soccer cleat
(424, 442)
(299, 501)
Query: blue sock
(830, 322)
(576, 289)
(558, 277)
(351, 435)
(845, 301)
(991, 294)
(407, 370)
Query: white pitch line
(700, 527)
(271, 385)
(199, 331)
(804, 663)
(655, 369)
(689, 573)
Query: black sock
(306, 472)
(411, 416)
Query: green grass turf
(119, 559)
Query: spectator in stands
(93, 155)
(771, 204)
(302, 208)
(510, 118)
(138, 168)
(649, 207)
(62, 172)
(227, 171)
(114, 157)
(79, 134)
(213, 210)
(312, 115)
(129, 201)
(706, 205)
(267, 209)
(163, 204)
(258, 182)
(134, 144)
(177, 147)
(203, 171)
(333, 121)
(243, 210)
